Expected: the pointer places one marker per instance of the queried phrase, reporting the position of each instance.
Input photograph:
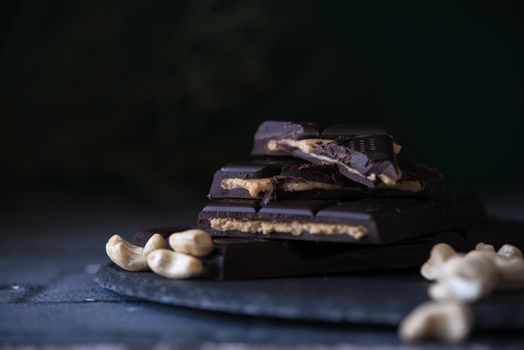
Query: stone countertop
(51, 249)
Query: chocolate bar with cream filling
(362, 220)
(287, 178)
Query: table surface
(54, 246)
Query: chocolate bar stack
(341, 186)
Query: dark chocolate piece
(237, 258)
(349, 130)
(363, 154)
(364, 221)
(287, 178)
(240, 258)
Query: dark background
(151, 97)
(115, 114)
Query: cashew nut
(483, 247)
(511, 273)
(192, 242)
(440, 253)
(508, 262)
(510, 251)
(467, 278)
(445, 321)
(460, 278)
(174, 265)
(129, 256)
(510, 265)
(157, 241)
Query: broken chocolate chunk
(288, 178)
(366, 155)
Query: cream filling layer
(405, 186)
(305, 145)
(295, 228)
(255, 186)
(297, 186)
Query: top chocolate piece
(307, 130)
(364, 154)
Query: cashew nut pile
(460, 279)
(179, 263)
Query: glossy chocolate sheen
(285, 170)
(368, 150)
(386, 220)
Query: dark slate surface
(352, 298)
(383, 298)
(51, 251)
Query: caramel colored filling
(294, 228)
(406, 186)
(255, 186)
(299, 185)
(387, 180)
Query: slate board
(378, 298)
